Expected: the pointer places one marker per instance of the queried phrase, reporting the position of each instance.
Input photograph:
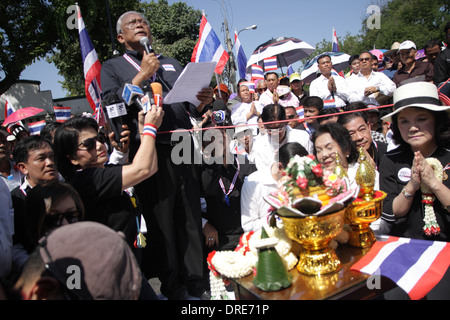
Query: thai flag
(92, 67)
(62, 114)
(9, 108)
(270, 64)
(209, 48)
(416, 266)
(300, 111)
(290, 70)
(335, 42)
(36, 127)
(257, 73)
(241, 58)
(250, 85)
(329, 103)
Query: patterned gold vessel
(314, 233)
(359, 215)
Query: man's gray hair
(120, 20)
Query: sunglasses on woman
(91, 143)
(54, 220)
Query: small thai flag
(270, 64)
(257, 72)
(300, 111)
(329, 104)
(62, 114)
(290, 70)
(335, 42)
(9, 108)
(250, 85)
(36, 127)
(168, 67)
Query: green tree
(174, 28)
(416, 20)
(66, 54)
(25, 35)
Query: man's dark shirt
(421, 68)
(442, 67)
(117, 72)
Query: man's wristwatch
(406, 194)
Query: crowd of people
(72, 197)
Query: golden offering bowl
(314, 233)
(360, 214)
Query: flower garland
(431, 226)
(241, 262)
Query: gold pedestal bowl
(360, 214)
(315, 233)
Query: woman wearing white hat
(415, 175)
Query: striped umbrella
(288, 50)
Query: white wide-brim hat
(416, 94)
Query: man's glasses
(290, 117)
(133, 23)
(260, 90)
(365, 59)
(91, 143)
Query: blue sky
(310, 21)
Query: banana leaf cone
(271, 274)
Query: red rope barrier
(442, 97)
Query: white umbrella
(311, 69)
(288, 50)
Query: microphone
(114, 109)
(146, 44)
(147, 99)
(131, 95)
(157, 93)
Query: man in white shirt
(367, 84)
(247, 111)
(270, 95)
(265, 149)
(328, 87)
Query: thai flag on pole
(270, 64)
(9, 108)
(290, 70)
(257, 72)
(92, 68)
(209, 48)
(62, 114)
(335, 42)
(414, 265)
(36, 127)
(241, 58)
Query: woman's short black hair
(66, 142)
(339, 134)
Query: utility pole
(231, 64)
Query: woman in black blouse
(421, 128)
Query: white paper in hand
(195, 77)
